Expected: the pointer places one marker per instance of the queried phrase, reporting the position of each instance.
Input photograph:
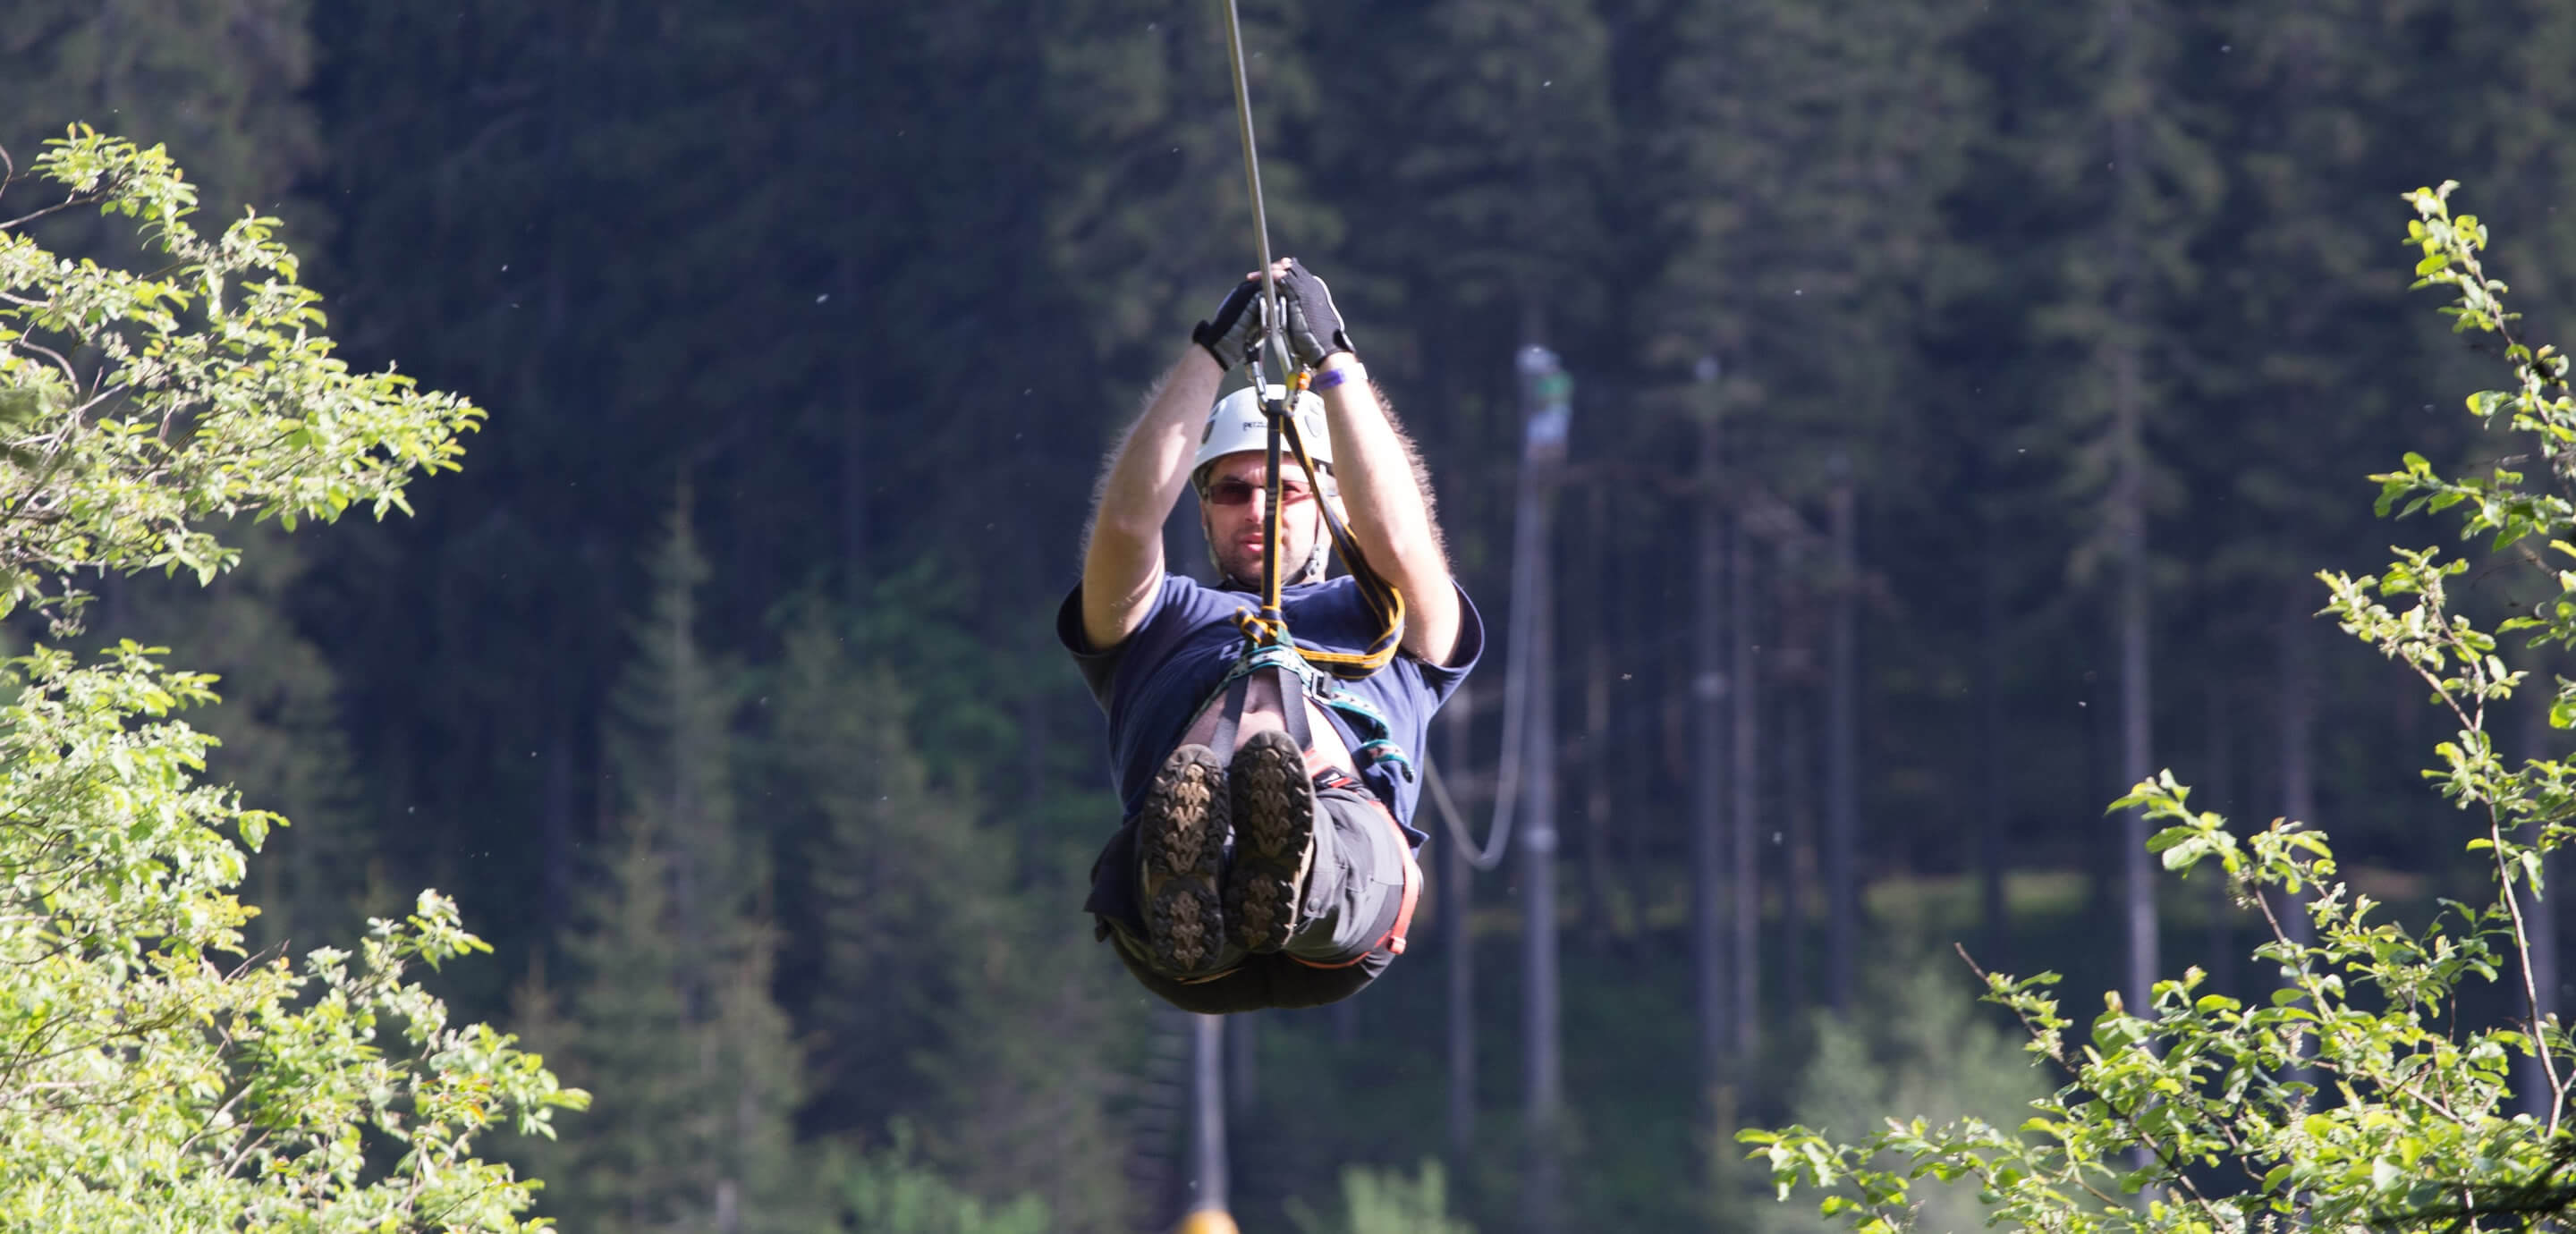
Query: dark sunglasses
(1234, 492)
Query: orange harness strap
(1392, 942)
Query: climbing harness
(1269, 647)
(1303, 671)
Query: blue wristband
(1338, 376)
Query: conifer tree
(1800, 157)
(2131, 168)
(944, 994)
(893, 874)
(1153, 219)
(220, 84)
(2292, 293)
(668, 995)
(1495, 140)
(607, 131)
(1505, 144)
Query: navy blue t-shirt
(1153, 685)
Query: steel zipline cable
(1272, 335)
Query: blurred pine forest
(2044, 348)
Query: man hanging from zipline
(1266, 857)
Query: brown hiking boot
(1274, 845)
(1180, 843)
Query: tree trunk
(1543, 1075)
(1988, 840)
(556, 843)
(854, 488)
(1842, 749)
(1743, 852)
(1789, 840)
(852, 311)
(1544, 1078)
(1207, 1114)
(2128, 505)
(2138, 888)
(1457, 897)
(1597, 747)
(1708, 772)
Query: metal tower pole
(1547, 395)
(1207, 1127)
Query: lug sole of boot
(1274, 814)
(1180, 842)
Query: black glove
(1229, 335)
(1314, 326)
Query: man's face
(1233, 508)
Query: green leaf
(2169, 837)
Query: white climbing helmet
(1236, 425)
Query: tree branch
(76, 199)
(2173, 1167)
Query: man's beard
(1293, 571)
(1290, 574)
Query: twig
(2174, 1167)
(2474, 720)
(2530, 988)
(69, 373)
(76, 199)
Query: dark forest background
(2045, 348)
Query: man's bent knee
(1361, 900)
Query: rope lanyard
(1272, 627)
(1382, 598)
(1269, 627)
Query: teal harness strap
(1377, 735)
(1377, 742)
(1237, 683)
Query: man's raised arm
(1122, 557)
(1382, 483)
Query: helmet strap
(1312, 570)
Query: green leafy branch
(153, 1073)
(135, 408)
(2352, 1098)
(255, 1088)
